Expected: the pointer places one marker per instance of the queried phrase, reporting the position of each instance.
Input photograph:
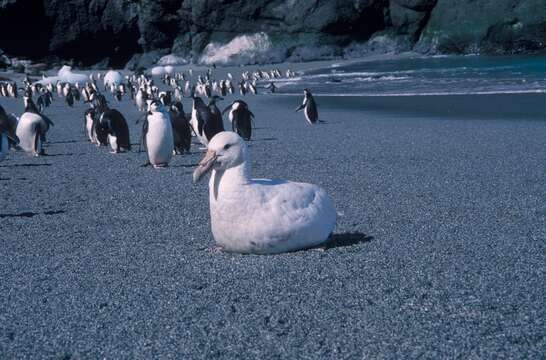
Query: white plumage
(90, 128)
(159, 138)
(259, 215)
(26, 131)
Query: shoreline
(440, 238)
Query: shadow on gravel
(184, 166)
(347, 239)
(64, 142)
(67, 154)
(265, 139)
(25, 165)
(29, 214)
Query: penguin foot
(216, 249)
(161, 166)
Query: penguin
(140, 99)
(69, 98)
(242, 88)
(90, 123)
(157, 133)
(59, 89)
(76, 92)
(32, 127)
(118, 95)
(309, 106)
(44, 100)
(165, 97)
(86, 93)
(252, 88)
(40, 103)
(223, 88)
(205, 123)
(111, 125)
(181, 128)
(241, 118)
(217, 121)
(66, 89)
(272, 87)
(7, 133)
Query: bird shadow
(64, 142)
(67, 154)
(347, 239)
(265, 139)
(24, 165)
(29, 214)
(184, 165)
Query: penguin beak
(205, 165)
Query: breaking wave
(242, 50)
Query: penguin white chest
(159, 139)
(195, 125)
(89, 128)
(113, 141)
(27, 132)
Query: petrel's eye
(227, 146)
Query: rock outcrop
(113, 31)
(485, 26)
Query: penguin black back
(181, 128)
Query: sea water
(445, 75)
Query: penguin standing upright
(309, 106)
(242, 88)
(7, 132)
(111, 125)
(32, 127)
(205, 123)
(69, 98)
(140, 99)
(181, 128)
(165, 97)
(157, 133)
(90, 124)
(241, 118)
(272, 88)
(216, 124)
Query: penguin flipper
(47, 120)
(143, 135)
(226, 109)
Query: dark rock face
(92, 30)
(488, 26)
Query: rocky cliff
(93, 30)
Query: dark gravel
(440, 248)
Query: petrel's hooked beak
(205, 165)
